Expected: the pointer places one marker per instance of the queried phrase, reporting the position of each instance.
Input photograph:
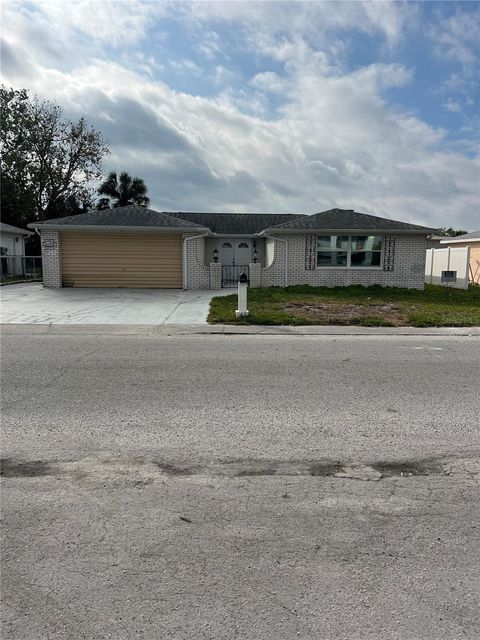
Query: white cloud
(269, 81)
(185, 65)
(457, 37)
(334, 141)
(210, 45)
(222, 75)
(313, 19)
(114, 22)
(451, 105)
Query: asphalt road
(244, 487)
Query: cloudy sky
(269, 106)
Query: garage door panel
(151, 260)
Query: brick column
(255, 274)
(215, 275)
(51, 269)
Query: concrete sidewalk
(231, 329)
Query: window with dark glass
(349, 251)
(332, 251)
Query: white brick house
(138, 247)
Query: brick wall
(210, 245)
(51, 265)
(215, 275)
(198, 273)
(408, 268)
(261, 250)
(255, 274)
(273, 275)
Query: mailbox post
(242, 310)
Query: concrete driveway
(31, 303)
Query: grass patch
(374, 306)
(18, 280)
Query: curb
(233, 330)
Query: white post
(242, 310)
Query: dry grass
(356, 305)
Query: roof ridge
(167, 215)
(231, 213)
(349, 213)
(134, 205)
(129, 215)
(300, 215)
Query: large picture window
(349, 251)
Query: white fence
(448, 267)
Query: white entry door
(227, 252)
(243, 252)
(235, 251)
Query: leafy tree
(48, 163)
(123, 190)
(450, 232)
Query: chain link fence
(18, 268)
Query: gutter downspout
(286, 255)
(185, 268)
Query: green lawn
(356, 305)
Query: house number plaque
(49, 243)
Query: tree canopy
(48, 163)
(450, 232)
(122, 190)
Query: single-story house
(134, 246)
(433, 241)
(471, 240)
(12, 249)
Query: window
(349, 251)
(332, 251)
(227, 245)
(243, 245)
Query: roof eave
(458, 239)
(216, 234)
(423, 232)
(20, 232)
(111, 227)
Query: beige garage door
(96, 259)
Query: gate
(231, 274)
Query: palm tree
(123, 191)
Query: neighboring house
(471, 240)
(433, 241)
(12, 248)
(137, 247)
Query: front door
(235, 256)
(235, 251)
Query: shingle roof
(473, 235)
(130, 216)
(237, 223)
(230, 223)
(345, 219)
(8, 228)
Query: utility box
(449, 277)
